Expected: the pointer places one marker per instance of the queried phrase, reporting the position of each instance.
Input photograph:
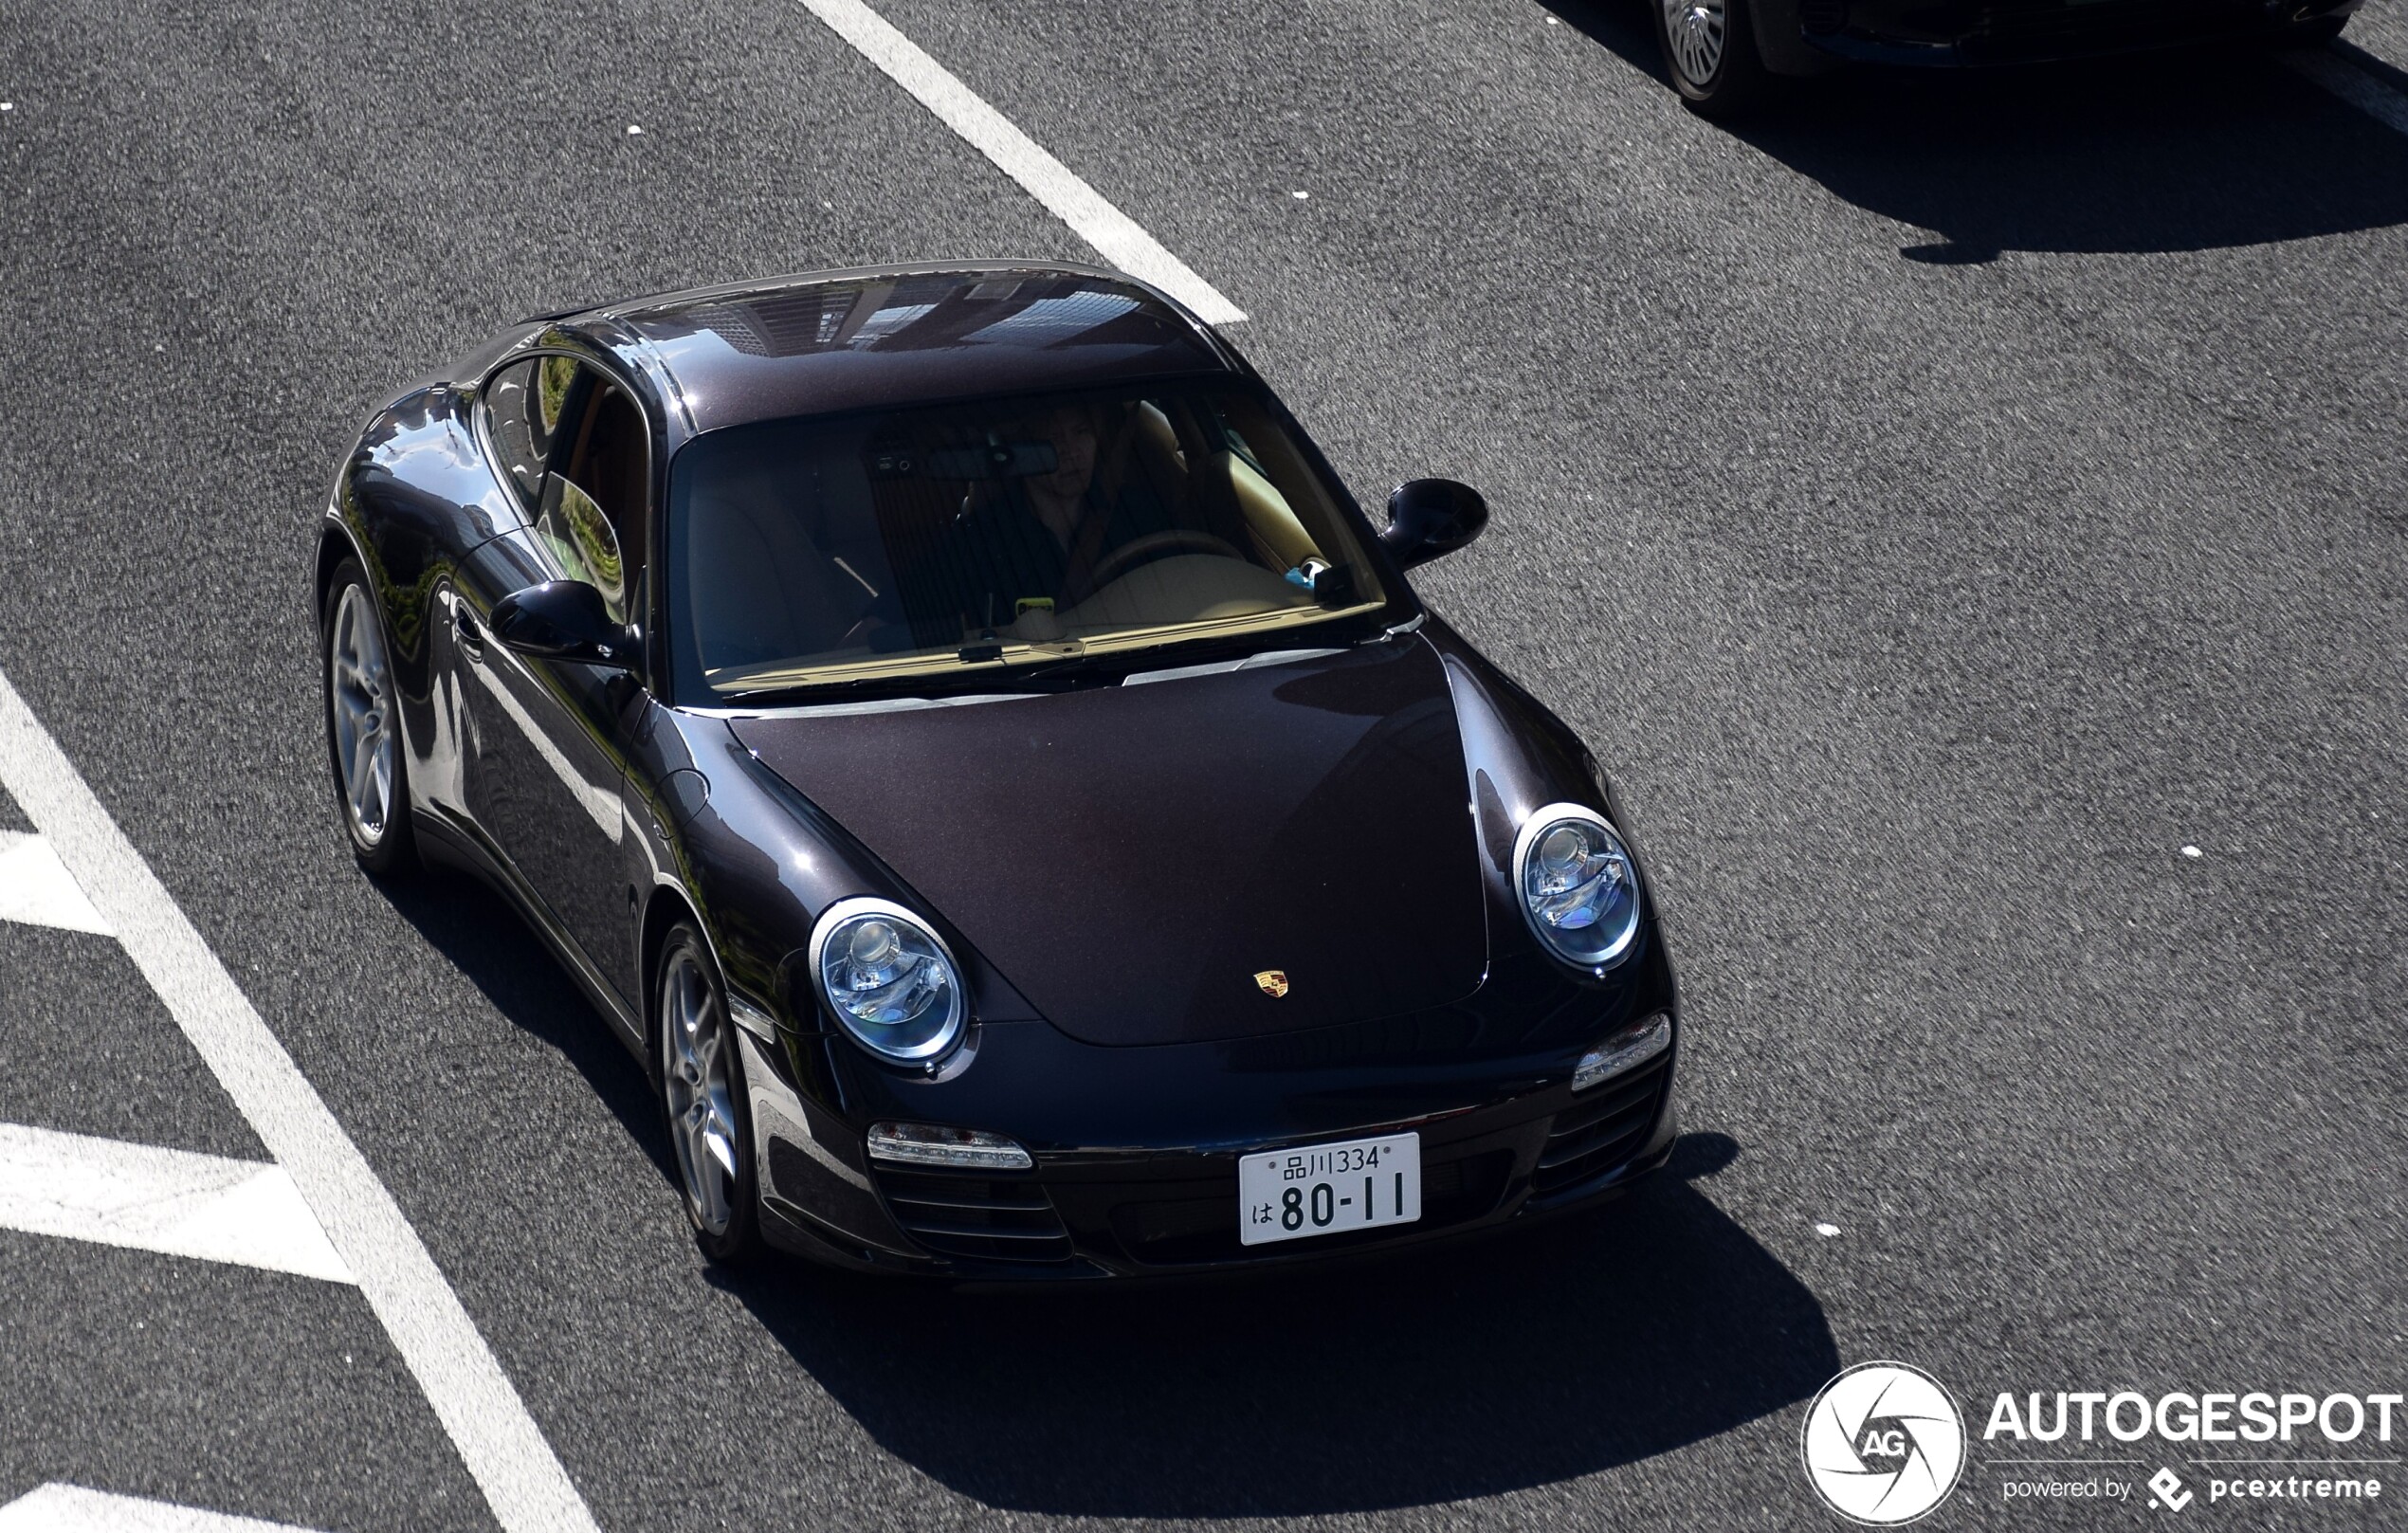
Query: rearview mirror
(1431, 516)
(563, 620)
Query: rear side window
(523, 407)
(592, 511)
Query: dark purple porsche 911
(972, 748)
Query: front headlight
(890, 980)
(1578, 886)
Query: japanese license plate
(1324, 1189)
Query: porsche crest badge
(1273, 982)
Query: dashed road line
(148, 1198)
(2354, 86)
(1115, 234)
(71, 1508)
(479, 1408)
(36, 888)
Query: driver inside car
(1026, 547)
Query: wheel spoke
(722, 1147)
(714, 1204)
(363, 784)
(380, 769)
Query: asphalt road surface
(1939, 507)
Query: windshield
(971, 542)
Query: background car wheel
(363, 724)
(1709, 47)
(703, 1099)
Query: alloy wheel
(360, 698)
(1695, 32)
(696, 1076)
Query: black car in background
(969, 745)
(1719, 52)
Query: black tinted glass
(986, 536)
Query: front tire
(1709, 49)
(703, 1099)
(363, 724)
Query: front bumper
(1136, 1150)
(1961, 33)
(1128, 1214)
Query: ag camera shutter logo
(1883, 1444)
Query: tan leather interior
(1185, 588)
(1269, 520)
(1157, 440)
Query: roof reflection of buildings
(928, 313)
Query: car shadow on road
(482, 935)
(1522, 1360)
(2190, 150)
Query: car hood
(1133, 857)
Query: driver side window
(591, 515)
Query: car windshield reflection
(1026, 537)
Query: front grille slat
(979, 1231)
(1621, 1098)
(1025, 1205)
(1589, 1138)
(1564, 1148)
(982, 1217)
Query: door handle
(464, 628)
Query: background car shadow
(1521, 1360)
(2197, 149)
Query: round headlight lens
(888, 978)
(1578, 886)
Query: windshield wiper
(807, 691)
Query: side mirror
(563, 620)
(1431, 516)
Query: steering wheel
(1155, 545)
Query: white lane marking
(1114, 233)
(2354, 86)
(150, 1199)
(479, 1408)
(36, 888)
(71, 1508)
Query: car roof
(824, 342)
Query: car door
(545, 761)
